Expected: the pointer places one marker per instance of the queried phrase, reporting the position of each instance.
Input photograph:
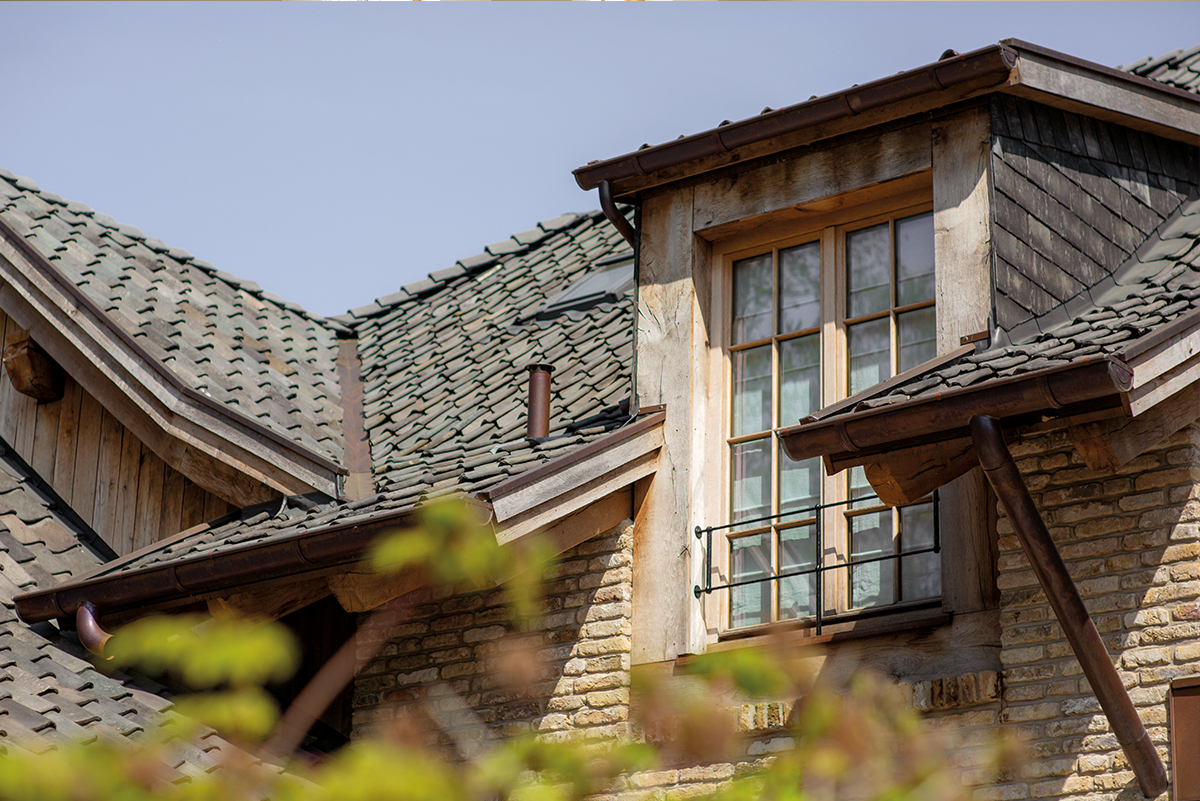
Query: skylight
(610, 280)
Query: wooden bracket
(31, 370)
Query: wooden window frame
(830, 230)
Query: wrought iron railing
(820, 569)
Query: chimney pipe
(539, 401)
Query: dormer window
(610, 280)
(813, 319)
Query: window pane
(921, 575)
(797, 551)
(751, 480)
(914, 259)
(868, 268)
(874, 583)
(750, 558)
(800, 393)
(862, 494)
(918, 337)
(751, 390)
(869, 346)
(799, 483)
(800, 287)
(752, 293)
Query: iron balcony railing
(706, 532)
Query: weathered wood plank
(1157, 390)
(68, 436)
(215, 506)
(87, 458)
(8, 394)
(192, 509)
(666, 308)
(108, 479)
(271, 603)
(45, 439)
(171, 515)
(736, 199)
(962, 241)
(149, 499)
(1109, 443)
(124, 522)
(1077, 89)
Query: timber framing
(219, 448)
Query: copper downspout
(87, 626)
(609, 207)
(1064, 598)
(538, 426)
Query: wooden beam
(912, 474)
(736, 200)
(1165, 369)
(1108, 443)
(364, 591)
(1080, 88)
(270, 603)
(31, 370)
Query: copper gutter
(306, 552)
(991, 66)
(1068, 607)
(947, 415)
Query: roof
(445, 402)
(1010, 66)
(1179, 68)
(248, 350)
(1156, 287)
(50, 693)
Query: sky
(333, 152)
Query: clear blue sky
(335, 151)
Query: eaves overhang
(220, 448)
(1087, 384)
(560, 490)
(1011, 66)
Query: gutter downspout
(1064, 598)
(87, 626)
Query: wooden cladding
(1185, 737)
(107, 475)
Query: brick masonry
(1130, 538)
(457, 667)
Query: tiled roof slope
(257, 354)
(443, 371)
(1180, 68)
(445, 386)
(49, 691)
(1158, 284)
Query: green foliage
(860, 740)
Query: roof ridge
(515, 245)
(26, 184)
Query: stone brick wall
(458, 670)
(1131, 540)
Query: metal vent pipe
(538, 426)
(1064, 598)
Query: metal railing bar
(698, 590)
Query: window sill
(874, 623)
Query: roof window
(610, 280)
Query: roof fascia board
(1167, 365)
(923, 89)
(105, 360)
(1058, 80)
